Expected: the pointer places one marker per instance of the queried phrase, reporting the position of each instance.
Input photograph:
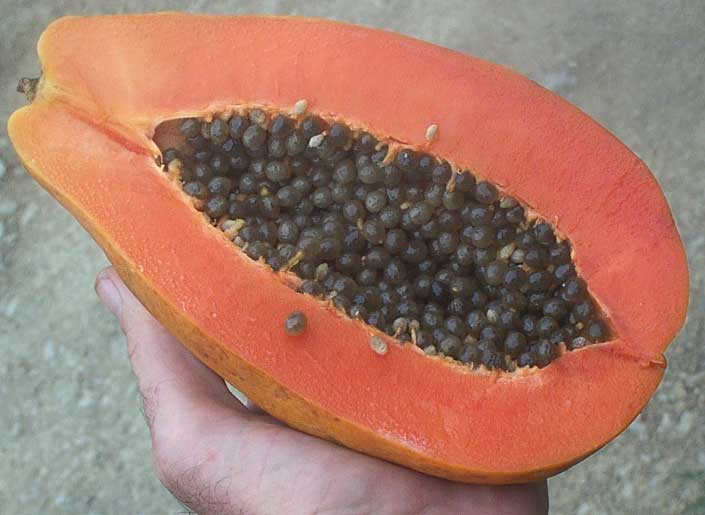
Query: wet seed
(396, 239)
(295, 323)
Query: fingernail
(108, 293)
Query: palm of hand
(218, 456)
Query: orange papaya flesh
(87, 138)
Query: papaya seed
(295, 324)
(378, 345)
(389, 235)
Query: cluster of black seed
(403, 242)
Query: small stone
(8, 207)
(28, 213)
(10, 307)
(49, 350)
(685, 423)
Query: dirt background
(72, 435)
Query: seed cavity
(392, 236)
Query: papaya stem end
(28, 86)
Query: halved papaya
(92, 137)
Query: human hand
(218, 456)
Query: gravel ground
(73, 436)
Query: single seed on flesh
(295, 323)
(378, 345)
(431, 132)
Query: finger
(171, 380)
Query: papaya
(411, 252)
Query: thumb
(165, 369)
(108, 292)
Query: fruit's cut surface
(87, 138)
